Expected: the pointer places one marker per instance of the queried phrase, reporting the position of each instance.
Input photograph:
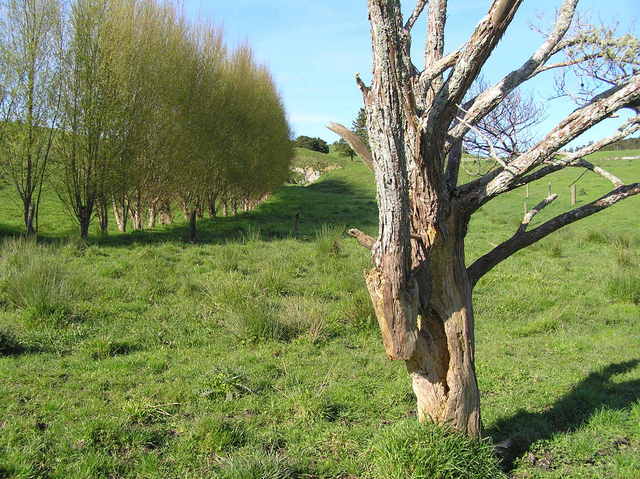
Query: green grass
(254, 353)
(604, 155)
(305, 158)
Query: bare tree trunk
(84, 218)
(211, 205)
(153, 214)
(225, 208)
(29, 216)
(193, 218)
(442, 367)
(121, 214)
(103, 216)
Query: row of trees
(125, 105)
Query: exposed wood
(389, 103)
(363, 239)
(529, 215)
(354, 141)
(473, 56)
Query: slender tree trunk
(84, 218)
(136, 211)
(193, 218)
(153, 214)
(166, 217)
(121, 214)
(29, 216)
(225, 208)
(103, 216)
(211, 205)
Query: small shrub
(252, 235)
(555, 251)
(104, 348)
(410, 450)
(213, 435)
(626, 258)
(33, 278)
(624, 286)
(538, 326)
(256, 319)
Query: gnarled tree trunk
(442, 367)
(420, 288)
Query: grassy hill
(255, 354)
(305, 158)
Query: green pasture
(254, 353)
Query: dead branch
(363, 239)
(603, 106)
(355, 142)
(534, 211)
(521, 240)
(415, 15)
(490, 98)
(435, 32)
(576, 158)
(474, 55)
(362, 85)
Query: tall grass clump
(33, 278)
(410, 450)
(328, 241)
(624, 286)
(256, 466)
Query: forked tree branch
(523, 239)
(576, 158)
(490, 98)
(354, 141)
(473, 57)
(603, 106)
(529, 215)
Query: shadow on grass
(328, 201)
(597, 391)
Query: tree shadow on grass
(296, 212)
(597, 391)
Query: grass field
(254, 353)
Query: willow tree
(29, 45)
(90, 112)
(420, 287)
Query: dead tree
(420, 286)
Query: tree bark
(121, 214)
(102, 212)
(29, 216)
(84, 218)
(442, 367)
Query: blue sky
(314, 49)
